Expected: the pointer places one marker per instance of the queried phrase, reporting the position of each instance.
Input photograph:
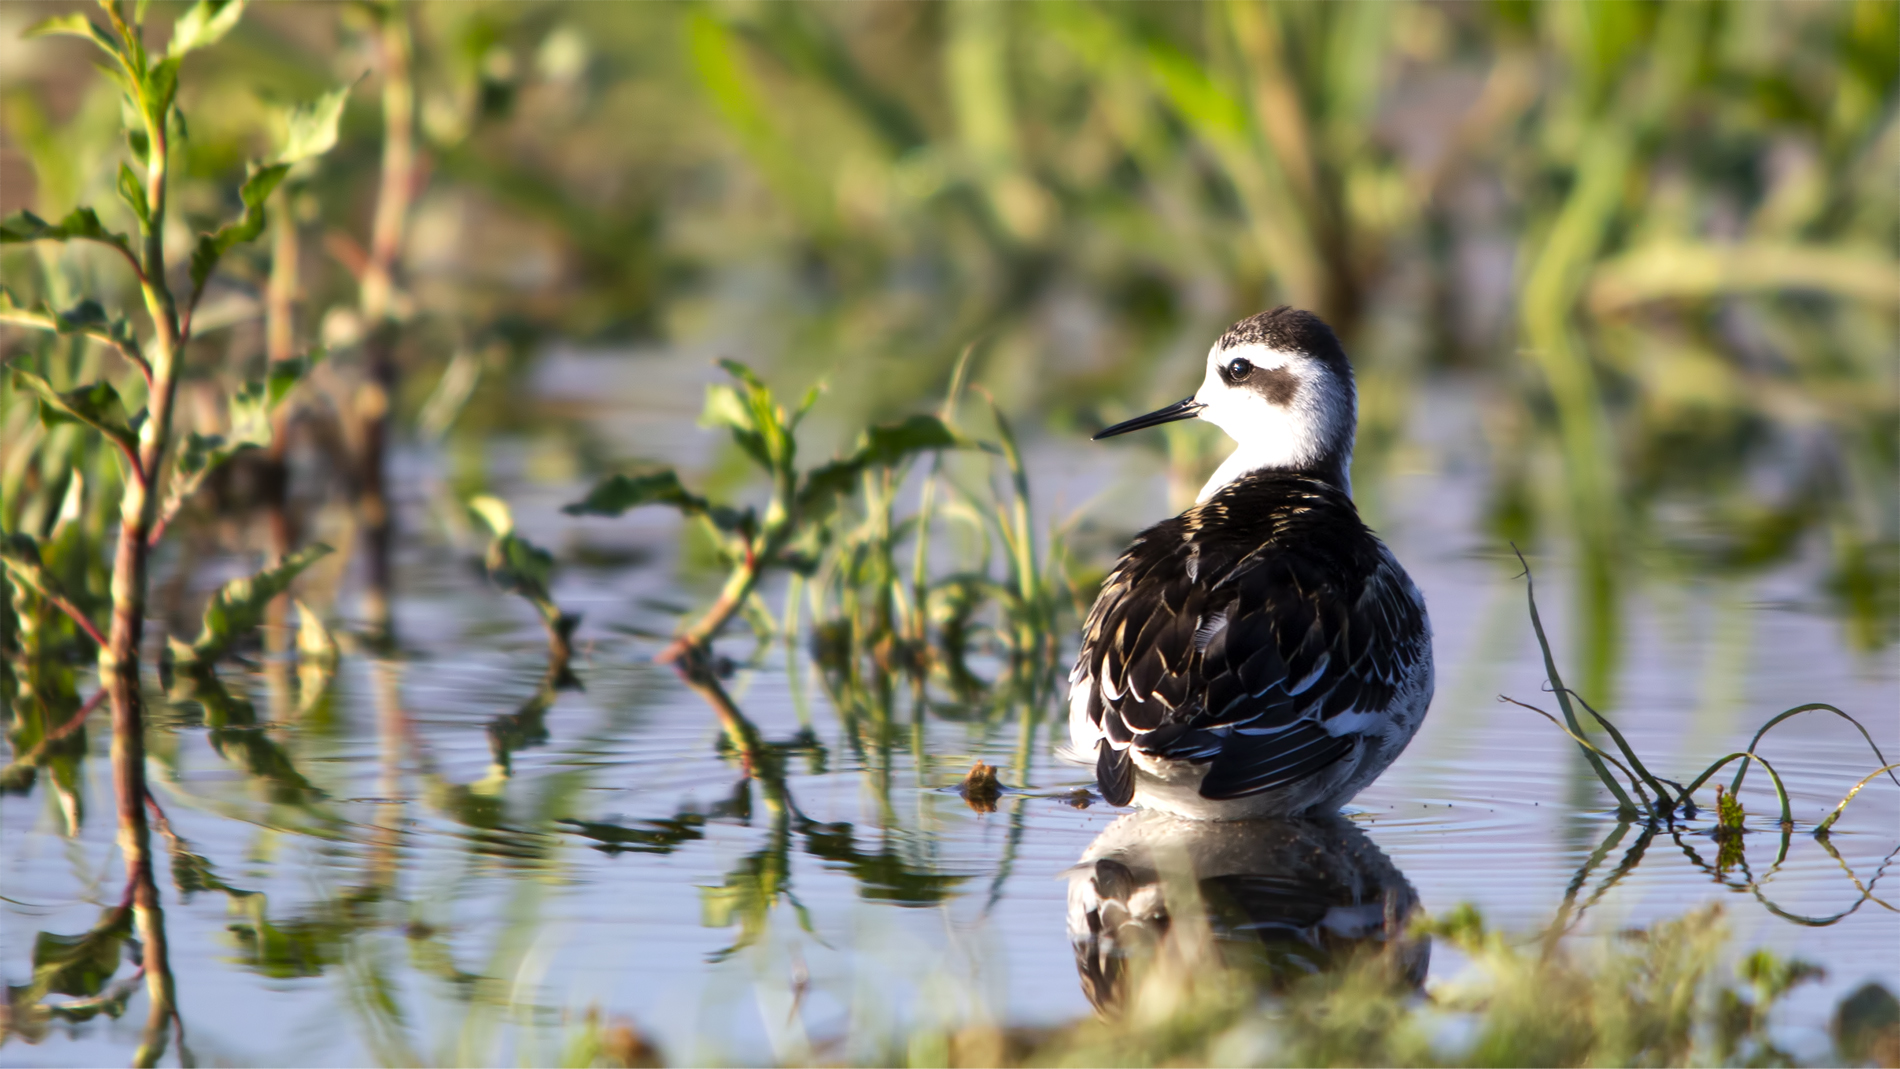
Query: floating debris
(980, 788)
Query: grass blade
(1629, 752)
(1836, 815)
(1574, 729)
(1781, 792)
(1596, 755)
(1812, 707)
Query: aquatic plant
(793, 528)
(1651, 798)
(518, 566)
(134, 415)
(1664, 806)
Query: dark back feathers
(1234, 632)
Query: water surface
(409, 898)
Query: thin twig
(65, 606)
(71, 725)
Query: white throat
(1249, 457)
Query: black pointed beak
(1184, 409)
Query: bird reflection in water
(1275, 900)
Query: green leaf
(494, 512)
(515, 564)
(725, 407)
(204, 24)
(238, 607)
(882, 446)
(310, 129)
(74, 25)
(80, 964)
(87, 317)
(157, 89)
(250, 411)
(753, 416)
(80, 224)
(518, 566)
(96, 405)
(132, 192)
(618, 493)
(890, 443)
(212, 247)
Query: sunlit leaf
(132, 192)
(520, 567)
(80, 224)
(310, 129)
(80, 964)
(882, 446)
(96, 405)
(250, 412)
(726, 407)
(204, 24)
(211, 247)
(238, 607)
(157, 90)
(73, 24)
(494, 512)
(514, 563)
(316, 658)
(618, 493)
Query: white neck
(1259, 455)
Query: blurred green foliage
(1655, 240)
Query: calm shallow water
(426, 908)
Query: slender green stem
(1574, 728)
(1781, 792)
(1811, 707)
(1828, 824)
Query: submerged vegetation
(286, 273)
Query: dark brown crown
(1290, 330)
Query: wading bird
(1263, 653)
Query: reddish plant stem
(376, 395)
(119, 659)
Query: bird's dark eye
(1239, 369)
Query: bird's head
(1279, 384)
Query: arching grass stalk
(1658, 802)
(1625, 807)
(1781, 791)
(1629, 755)
(1828, 824)
(1598, 756)
(926, 506)
(1814, 707)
